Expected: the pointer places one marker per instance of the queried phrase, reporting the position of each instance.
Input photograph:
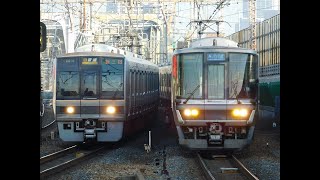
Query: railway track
(267, 133)
(48, 125)
(221, 167)
(47, 118)
(65, 158)
(49, 131)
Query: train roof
(139, 60)
(214, 49)
(92, 53)
(213, 41)
(214, 44)
(106, 48)
(108, 54)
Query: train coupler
(215, 139)
(215, 135)
(90, 134)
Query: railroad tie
(229, 170)
(219, 156)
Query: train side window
(140, 83)
(154, 82)
(131, 90)
(161, 84)
(151, 80)
(132, 84)
(169, 83)
(138, 89)
(143, 83)
(148, 82)
(157, 83)
(166, 85)
(135, 88)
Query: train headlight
(194, 112)
(70, 110)
(111, 110)
(240, 112)
(191, 112)
(187, 112)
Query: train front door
(89, 89)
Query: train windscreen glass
(190, 75)
(216, 80)
(89, 84)
(112, 78)
(68, 85)
(242, 76)
(68, 79)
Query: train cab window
(242, 76)
(112, 78)
(190, 73)
(68, 85)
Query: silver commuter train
(214, 92)
(102, 94)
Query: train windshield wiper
(234, 91)
(191, 94)
(115, 93)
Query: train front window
(190, 75)
(89, 84)
(68, 85)
(216, 81)
(112, 78)
(242, 76)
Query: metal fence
(268, 44)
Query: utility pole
(199, 27)
(165, 29)
(252, 20)
(80, 18)
(90, 15)
(84, 15)
(67, 7)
